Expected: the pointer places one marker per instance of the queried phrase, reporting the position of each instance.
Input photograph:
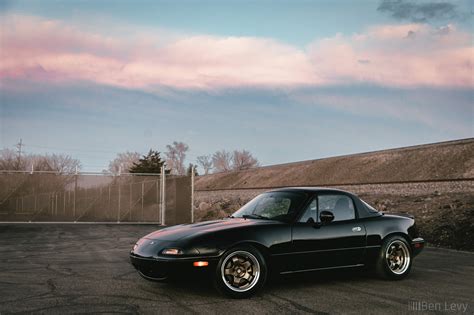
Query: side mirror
(326, 217)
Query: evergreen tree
(150, 163)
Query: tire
(395, 259)
(241, 272)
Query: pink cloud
(402, 55)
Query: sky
(286, 80)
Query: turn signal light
(200, 263)
(418, 245)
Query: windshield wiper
(254, 216)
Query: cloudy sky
(287, 80)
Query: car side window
(311, 212)
(340, 205)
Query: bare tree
(175, 157)
(55, 162)
(9, 160)
(205, 161)
(123, 162)
(221, 161)
(242, 160)
(23, 184)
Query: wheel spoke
(247, 264)
(237, 281)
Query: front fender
(276, 238)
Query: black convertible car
(282, 231)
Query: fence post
(143, 196)
(118, 211)
(131, 202)
(163, 196)
(193, 169)
(158, 198)
(74, 197)
(101, 203)
(109, 207)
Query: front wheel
(394, 260)
(241, 272)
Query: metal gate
(95, 197)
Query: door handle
(356, 229)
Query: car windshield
(271, 206)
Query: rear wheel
(241, 272)
(394, 260)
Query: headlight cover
(172, 251)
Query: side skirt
(326, 268)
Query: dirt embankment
(433, 182)
(438, 161)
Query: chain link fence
(52, 197)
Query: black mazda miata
(282, 231)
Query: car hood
(178, 232)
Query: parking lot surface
(84, 268)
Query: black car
(282, 231)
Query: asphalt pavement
(84, 268)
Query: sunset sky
(287, 80)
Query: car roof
(362, 209)
(312, 189)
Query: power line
(70, 149)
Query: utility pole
(19, 147)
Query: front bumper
(160, 269)
(417, 245)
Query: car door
(323, 245)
